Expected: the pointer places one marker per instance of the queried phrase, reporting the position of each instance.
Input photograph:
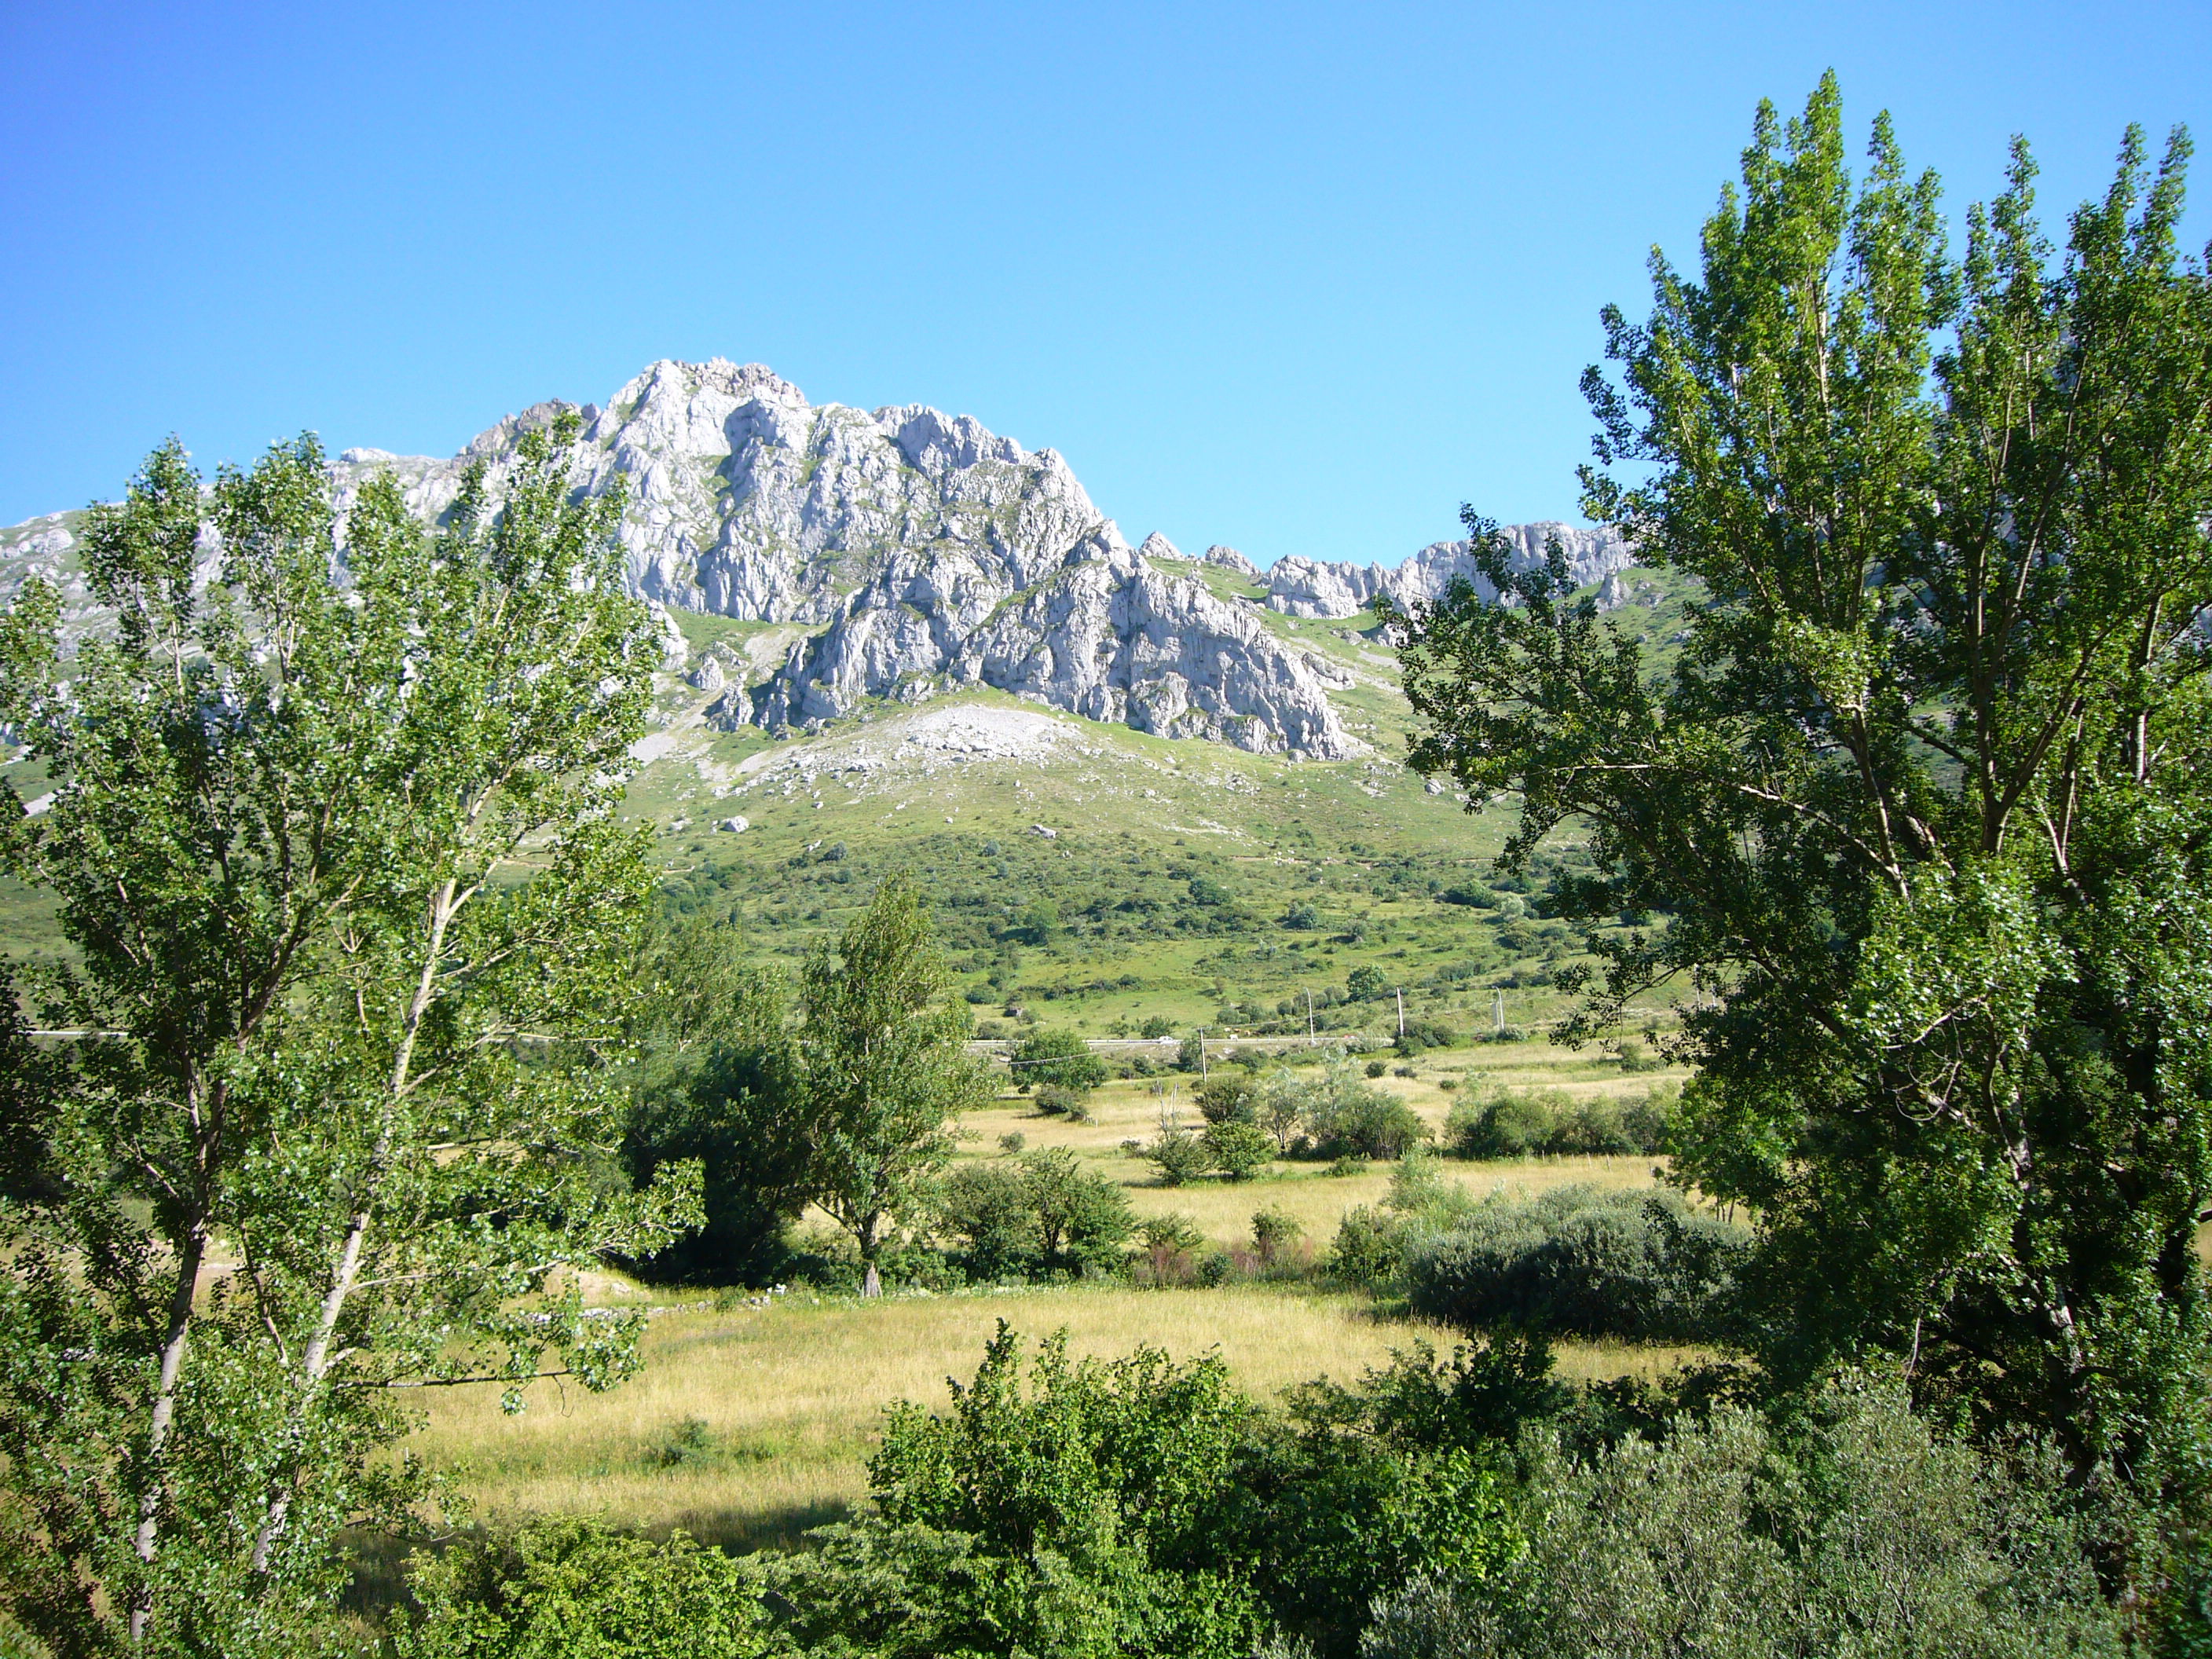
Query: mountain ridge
(922, 555)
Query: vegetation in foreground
(363, 1087)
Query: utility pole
(1309, 1030)
(1498, 1011)
(1401, 1013)
(1201, 1053)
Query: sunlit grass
(749, 1426)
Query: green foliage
(1924, 797)
(1366, 982)
(1345, 1115)
(1181, 1156)
(1275, 1235)
(1514, 1124)
(1239, 1150)
(572, 1589)
(1853, 1530)
(1063, 1518)
(1575, 1260)
(1229, 1097)
(716, 1084)
(886, 1069)
(1057, 1057)
(1042, 1213)
(334, 843)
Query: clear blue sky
(1300, 278)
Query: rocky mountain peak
(922, 553)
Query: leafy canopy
(1923, 803)
(332, 838)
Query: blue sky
(1298, 278)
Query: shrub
(1377, 1067)
(1365, 983)
(1156, 1027)
(1302, 917)
(1510, 1125)
(1366, 1251)
(1240, 1149)
(1348, 1117)
(1050, 1515)
(1181, 1156)
(1056, 1099)
(984, 1207)
(1854, 1530)
(1641, 1265)
(574, 1590)
(1041, 1213)
(1168, 1247)
(1013, 1141)
(1057, 1057)
(1275, 1235)
(1229, 1097)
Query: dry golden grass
(791, 1399)
(1132, 1110)
(787, 1401)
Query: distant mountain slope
(914, 555)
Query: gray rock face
(1307, 587)
(923, 553)
(935, 553)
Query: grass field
(749, 1424)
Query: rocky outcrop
(1309, 587)
(923, 554)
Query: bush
(1377, 1067)
(1351, 1117)
(1181, 1156)
(1365, 983)
(1053, 1514)
(1510, 1125)
(1640, 1265)
(1422, 1035)
(1056, 1057)
(1056, 1099)
(1239, 1149)
(1275, 1235)
(1156, 1027)
(1039, 1214)
(1229, 1097)
(1367, 1250)
(574, 1590)
(1854, 1530)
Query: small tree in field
(1060, 1058)
(314, 1148)
(886, 1068)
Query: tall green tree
(1927, 794)
(886, 1069)
(715, 1080)
(333, 840)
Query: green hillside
(1183, 882)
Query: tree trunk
(871, 1283)
(144, 1539)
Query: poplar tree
(886, 1069)
(1926, 792)
(333, 840)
